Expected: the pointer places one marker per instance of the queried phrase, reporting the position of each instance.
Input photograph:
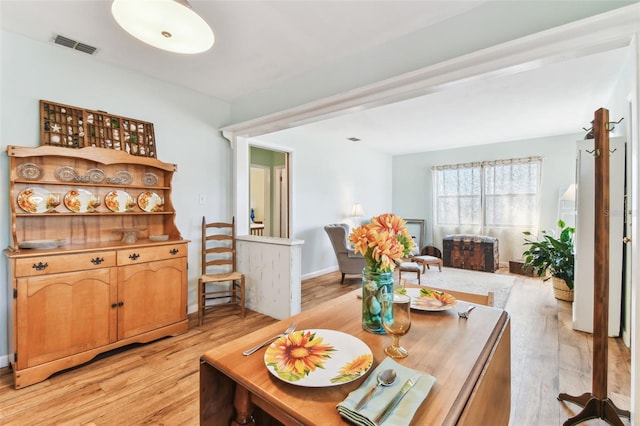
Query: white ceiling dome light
(166, 24)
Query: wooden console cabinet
(94, 292)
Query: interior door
(584, 239)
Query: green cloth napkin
(404, 411)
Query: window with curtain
(497, 198)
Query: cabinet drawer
(42, 265)
(150, 254)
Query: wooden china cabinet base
(69, 306)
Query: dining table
(469, 358)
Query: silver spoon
(385, 378)
(289, 330)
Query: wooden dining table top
(451, 349)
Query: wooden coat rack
(596, 404)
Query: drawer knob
(97, 260)
(114, 305)
(134, 256)
(40, 266)
(174, 251)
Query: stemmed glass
(396, 320)
(53, 201)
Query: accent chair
(348, 261)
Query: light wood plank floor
(157, 383)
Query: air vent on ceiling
(354, 139)
(72, 44)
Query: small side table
(517, 267)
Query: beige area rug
(468, 281)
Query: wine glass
(396, 320)
(53, 200)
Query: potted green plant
(553, 258)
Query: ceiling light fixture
(166, 24)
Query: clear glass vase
(374, 286)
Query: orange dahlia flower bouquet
(383, 242)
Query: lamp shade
(166, 24)
(356, 210)
(570, 193)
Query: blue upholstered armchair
(348, 261)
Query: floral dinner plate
(150, 201)
(322, 358)
(81, 201)
(37, 200)
(119, 201)
(424, 299)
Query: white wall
(328, 177)
(412, 180)
(185, 125)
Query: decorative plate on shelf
(149, 179)
(119, 201)
(95, 175)
(29, 171)
(150, 201)
(424, 299)
(81, 201)
(37, 200)
(330, 358)
(66, 173)
(124, 177)
(41, 244)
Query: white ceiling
(260, 44)
(557, 99)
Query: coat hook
(595, 152)
(610, 125)
(613, 150)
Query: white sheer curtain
(494, 198)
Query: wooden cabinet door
(64, 314)
(151, 295)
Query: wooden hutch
(96, 261)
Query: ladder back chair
(219, 279)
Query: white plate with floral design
(81, 201)
(36, 200)
(150, 201)
(424, 299)
(323, 358)
(119, 201)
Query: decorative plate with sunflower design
(424, 299)
(318, 358)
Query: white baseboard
(318, 273)
(4, 361)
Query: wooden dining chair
(219, 279)
(477, 298)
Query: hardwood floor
(157, 383)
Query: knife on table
(395, 401)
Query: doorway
(268, 192)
